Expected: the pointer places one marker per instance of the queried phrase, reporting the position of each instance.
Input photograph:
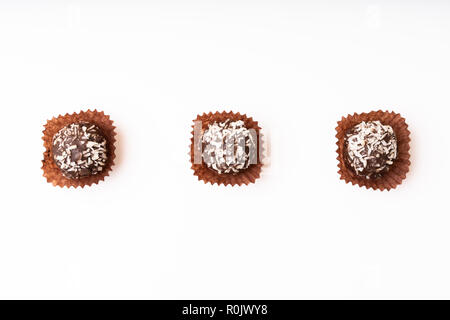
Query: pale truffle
(370, 149)
(229, 147)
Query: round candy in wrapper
(373, 149)
(225, 149)
(79, 149)
(370, 149)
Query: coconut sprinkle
(80, 150)
(371, 148)
(228, 147)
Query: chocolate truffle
(80, 150)
(370, 149)
(228, 147)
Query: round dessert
(228, 147)
(80, 150)
(370, 149)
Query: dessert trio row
(372, 149)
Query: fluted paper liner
(51, 171)
(244, 177)
(397, 171)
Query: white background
(151, 230)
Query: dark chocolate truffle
(229, 147)
(80, 150)
(370, 149)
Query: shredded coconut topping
(79, 150)
(228, 147)
(371, 148)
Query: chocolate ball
(229, 147)
(370, 149)
(80, 150)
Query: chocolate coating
(80, 150)
(370, 149)
(229, 147)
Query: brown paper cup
(397, 172)
(51, 171)
(244, 177)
